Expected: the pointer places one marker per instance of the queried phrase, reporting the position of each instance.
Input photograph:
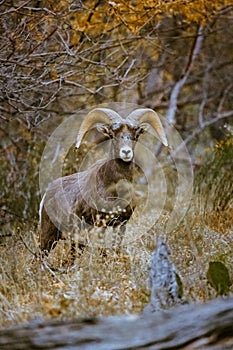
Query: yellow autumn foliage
(94, 18)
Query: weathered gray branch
(178, 86)
(205, 326)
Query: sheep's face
(123, 140)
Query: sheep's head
(123, 132)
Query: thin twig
(51, 270)
(27, 247)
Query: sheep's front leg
(118, 235)
(78, 241)
(49, 234)
(73, 250)
(108, 243)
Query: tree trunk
(205, 326)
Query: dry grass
(110, 285)
(117, 283)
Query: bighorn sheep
(91, 196)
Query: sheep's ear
(142, 129)
(104, 129)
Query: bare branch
(178, 86)
(66, 45)
(204, 125)
(15, 9)
(221, 102)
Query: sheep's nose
(126, 154)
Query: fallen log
(196, 326)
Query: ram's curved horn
(97, 115)
(147, 115)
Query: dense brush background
(59, 59)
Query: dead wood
(195, 326)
